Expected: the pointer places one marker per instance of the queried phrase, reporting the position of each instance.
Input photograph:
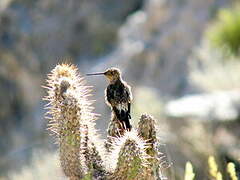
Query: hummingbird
(118, 96)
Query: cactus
(130, 160)
(147, 130)
(114, 130)
(126, 155)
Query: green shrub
(225, 31)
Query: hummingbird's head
(112, 74)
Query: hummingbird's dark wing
(118, 98)
(128, 105)
(129, 110)
(109, 95)
(129, 97)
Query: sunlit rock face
(218, 106)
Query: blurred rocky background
(180, 56)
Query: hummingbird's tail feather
(124, 117)
(127, 124)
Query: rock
(221, 106)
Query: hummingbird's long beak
(93, 74)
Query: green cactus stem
(72, 121)
(128, 157)
(147, 130)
